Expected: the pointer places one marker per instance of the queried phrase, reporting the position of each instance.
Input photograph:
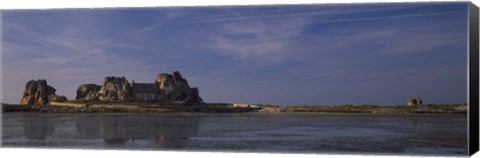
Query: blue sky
(295, 54)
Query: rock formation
(174, 88)
(115, 89)
(88, 92)
(39, 93)
(415, 101)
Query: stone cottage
(146, 92)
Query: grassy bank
(131, 107)
(399, 109)
(125, 108)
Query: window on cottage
(151, 96)
(139, 95)
(145, 95)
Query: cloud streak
(261, 41)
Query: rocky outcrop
(39, 93)
(115, 89)
(56, 98)
(194, 95)
(35, 93)
(174, 88)
(415, 101)
(88, 92)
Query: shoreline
(229, 108)
(242, 114)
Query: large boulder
(174, 88)
(88, 92)
(415, 101)
(39, 93)
(194, 95)
(56, 98)
(115, 89)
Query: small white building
(245, 106)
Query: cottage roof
(143, 85)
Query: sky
(328, 54)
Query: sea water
(421, 134)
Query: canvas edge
(473, 77)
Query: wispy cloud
(163, 17)
(232, 14)
(389, 17)
(323, 11)
(256, 40)
(423, 43)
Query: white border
(58, 4)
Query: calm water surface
(305, 133)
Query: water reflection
(37, 129)
(118, 131)
(433, 134)
(417, 124)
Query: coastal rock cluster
(39, 93)
(170, 88)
